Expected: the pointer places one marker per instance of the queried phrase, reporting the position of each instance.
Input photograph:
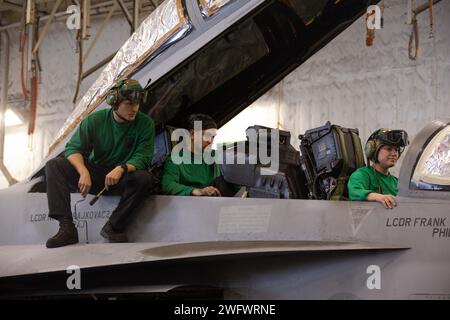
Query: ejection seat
(246, 169)
(329, 155)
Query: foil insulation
(164, 26)
(438, 164)
(210, 7)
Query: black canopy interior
(246, 60)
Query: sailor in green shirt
(110, 151)
(375, 183)
(195, 178)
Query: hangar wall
(364, 87)
(346, 82)
(59, 61)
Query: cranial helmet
(122, 90)
(385, 137)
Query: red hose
(430, 5)
(22, 79)
(33, 105)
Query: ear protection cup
(370, 149)
(112, 97)
(373, 146)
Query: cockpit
(433, 167)
(267, 165)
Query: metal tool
(94, 200)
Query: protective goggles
(395, 138)
(133, 95)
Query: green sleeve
(143, 155)
(79, 143)
(171, 181)
(359, 186)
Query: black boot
(112, 235)
(67, 234)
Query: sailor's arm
(359, 190)
(171, 181)
(142, 157)
(84, 183)
(114, 176)
(387, 200)
(359, 186)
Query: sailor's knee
(140, 178)
(55, 164)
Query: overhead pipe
(94, 8)
(100, 30)
(126, 14)
(3, 167)
(47, 24)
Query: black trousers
(226, 189)
(62, 178)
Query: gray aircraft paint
(347, 237)
(252, 248)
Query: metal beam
(126, 13)
(5, 5)
(100, 30)
(136, 9)
(30, 25)
(47, 24)
(80, 64)
(424, 7)
(85, 14)
(3, 108)
(29, 11)
(62, 14)
(43, 1)
(155, 3)
(98, 66)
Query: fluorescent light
(12, 119)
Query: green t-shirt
(182, 179)
(105, 142)
(366, 180)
